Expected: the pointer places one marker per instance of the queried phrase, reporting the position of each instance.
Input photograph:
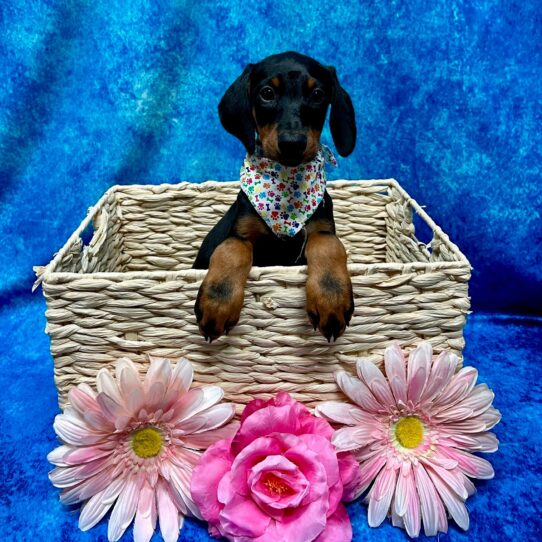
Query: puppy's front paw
(330, 303)
(217, 309)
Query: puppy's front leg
(222, 292)
(330, 302)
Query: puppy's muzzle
(292, 146)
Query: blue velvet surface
(449, 102)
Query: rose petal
(350, 475)
(294, 420)
(241, 517)
(214, 463)
(338, 527)
(304, 523)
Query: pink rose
(278, 479)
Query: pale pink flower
(278, 479)
(133, 445)
(413, 432)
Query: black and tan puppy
(280, 104)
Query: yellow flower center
(409, 432)
(147, 442)
(275, 485)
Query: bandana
(285, 197)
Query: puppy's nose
(292, 145)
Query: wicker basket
(131, 291)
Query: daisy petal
(478, 442)
(343, 413)
(92, 512)
(125, 363)
(145, 519)
(428, 498)
(471, 465)
(375, 381)
(369, 471)
(82, 401)
(203, 440)
(209, 419)
(419, 366)
(107, 385)
(475, 404)
(453, 479)
(459, 387)
(380, 496)
(56, 457)
(395, 364)
(412, 516)
(182, 375)
(452, 502)
(442, 370)
(396, 519)
(358, 392)
(70, 476)
(86, 489)
(180, 483)
(158, 371)
(84, 454)
(123, 511)
(350, 438)
(114, 411)
(196, 400)
(400, 501)
(75, 433)
(130, 386)
(168, 514)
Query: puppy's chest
(272, 250)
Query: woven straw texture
(131, 291)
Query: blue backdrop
(448, 95)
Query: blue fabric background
(449, 102)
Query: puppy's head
(284, 100)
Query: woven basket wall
(131, 291)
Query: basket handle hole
(87, 234)
(422, 231)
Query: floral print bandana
(285, 197)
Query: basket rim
(49, 271)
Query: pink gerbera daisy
(413, 432)
(132, 446)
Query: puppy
(277, 108)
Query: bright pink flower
(279, 478)
(134, 445)
(412, 431)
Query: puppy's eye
(267, 94)
(318, 95)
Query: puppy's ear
(235, 111)
(342, 119)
